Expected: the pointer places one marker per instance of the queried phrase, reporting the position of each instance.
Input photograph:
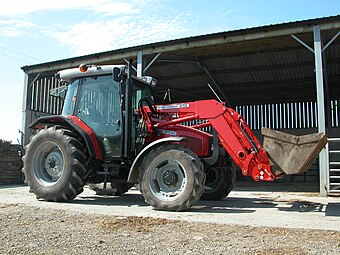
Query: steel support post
(323, 156)
(139, 63)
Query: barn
(282, 76)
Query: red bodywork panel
(234, 134)
(195, 139)
(90, 133)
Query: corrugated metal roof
(280, 75)
(252, 66)
(265, 28)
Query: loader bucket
(292, 154)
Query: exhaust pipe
(291, 154)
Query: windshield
(99, 100)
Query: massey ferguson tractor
(111, 131)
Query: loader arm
(234, 134)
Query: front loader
(110, 131)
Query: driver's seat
(95, 115)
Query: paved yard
(247, 205)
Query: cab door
(99, 107)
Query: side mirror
(117, 74)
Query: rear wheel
(219, 183)
(171, 178)
(55, 164)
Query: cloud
(102, 25)
(23, 7)
(142, 22)
(14, 28)
(90, 37)
(16, 23)
(120, 32)
(115, 8)
(19, 9)
(226, 13)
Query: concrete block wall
(10, 164)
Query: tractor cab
(98, 95)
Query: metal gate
(334, 165)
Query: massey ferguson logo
(172, 106)
(167, 132)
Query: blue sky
(37, 31)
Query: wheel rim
(48, 163)
(167, 179)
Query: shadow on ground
(11, 186)
(227, 205)
(241, 203)
(277, 186)
(333, 209)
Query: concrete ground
(249, 204)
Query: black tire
(171, 178)
(219, 183)
(115, 189)
(56, 164)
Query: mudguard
(79, 126)
(134, 170)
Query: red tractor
(110, 131)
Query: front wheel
(172, 178)
(55, 164)
(219, 183)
